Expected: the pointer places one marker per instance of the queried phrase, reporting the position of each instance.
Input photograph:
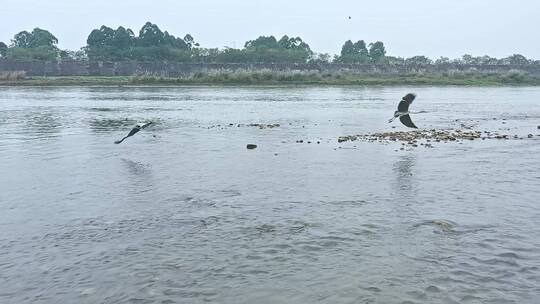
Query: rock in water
(444, 225)
(251, 146)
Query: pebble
(264, 126)
(258, 125)
(413, 138)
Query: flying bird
(134, 131)
(403, 111)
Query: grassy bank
(281, 78)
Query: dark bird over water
(134, 131)
(403, 111)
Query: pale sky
(415, 27)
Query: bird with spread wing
(134, 131)
(403, 111)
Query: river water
(183, 213)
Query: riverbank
(281, 78)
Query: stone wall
(129, 68)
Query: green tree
(516, 59)
(100, 37)
(38, 37)
(354, 52)
(377, 51)
(151, 44)
(361, 50)
(442, 60)
(122, 38)
(99, 44)
(468, 59)
(3, 49)
(150, 35)
(262, 43)
(268, 49)
(299, 45)
(73, 55)
(230, 55)
(321, 58)
(394, 60)
(418, 60)
(38, 53)
(284, 42)
(188, 39)
(39, 44)
(488, 60)
(21, 40)
(347, 51)
(41, 37)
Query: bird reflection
(139, 176)
(404, 170)
(136, 168)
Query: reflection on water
(139, 177)
(110, 124)
(42, 124)
(184, 213)
(404, 168)
(136, 168)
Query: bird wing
(133, 131)
(405, 102)
(403, 106)
(406, 120)
(409, 97)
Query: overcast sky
(415, 27)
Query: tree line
(153, 44)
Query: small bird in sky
(403, 111)
(134, 131)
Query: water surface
(184, 213)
